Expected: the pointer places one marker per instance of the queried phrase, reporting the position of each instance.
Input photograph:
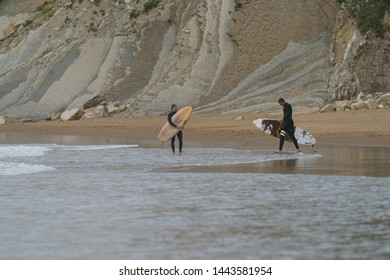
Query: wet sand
(355, 143)
(344, 161)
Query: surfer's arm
(170, 115)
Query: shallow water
(344, 161)
(125, 202)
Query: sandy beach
(353, 143)
(351, 128)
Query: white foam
(11, 168)
(15, 151)
(19, 159)
(162, 158)
(93, 147)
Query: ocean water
(127, 202)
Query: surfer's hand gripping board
(180, 119)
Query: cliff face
(359, 63)
(216, 55)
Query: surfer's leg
(173, 143)
(281, 142)
(180, 138)
(294, 140)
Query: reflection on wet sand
(346, 161)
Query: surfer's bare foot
(277, 151)
(298, 151)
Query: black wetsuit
(288, 126)
(179, 134)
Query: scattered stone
(358, 105)
(55, 116)
(2, 120)
(374, 101)
(342, 105)
(361, 96)
(101, 111)
(385, 99)
(74, 114)
(372, 104)
(123, 107)
(112, 109)
(239, 118)
(89, 115)
(327, 108)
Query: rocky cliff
(216, 55)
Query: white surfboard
(273, 127)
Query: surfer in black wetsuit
(288, 126)
(179, 134)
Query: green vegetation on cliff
(151, 4)
(369, 14)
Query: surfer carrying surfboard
(288, 126)
(180, 128)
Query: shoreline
(352, 129)
(342, 148)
